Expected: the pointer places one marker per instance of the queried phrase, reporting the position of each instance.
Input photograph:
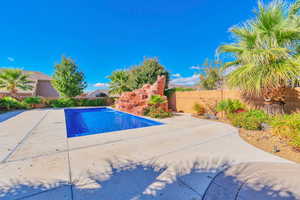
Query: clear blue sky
(105, 35)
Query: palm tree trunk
(274, 101)
(274, 108)
(13, 93)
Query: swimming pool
(90, 121)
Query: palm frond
(230, 49)
(266, 49)
(13, 79)
(294, 8)
(230, 64)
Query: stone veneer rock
(136, 102)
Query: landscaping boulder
(136, 102)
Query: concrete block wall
(184, 101)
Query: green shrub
(62, 103)
(32, 100)
(157, 112)
(200, 110)
(81, 102)
(91, 102)
(230, 106)
(9, 103)
(69, 102)
(99, 102)
(287, 126)
(250, 120)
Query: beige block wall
(184, 101)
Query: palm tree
(13, 79)
(119, 82)
(266, 54)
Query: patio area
(185, 159)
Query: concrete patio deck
(185, 159)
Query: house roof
(94, 93)
(38, 76)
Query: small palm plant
(155, 110)
(13, 79)
(157, 100)
(230, 106)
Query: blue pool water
(90, 121)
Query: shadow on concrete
(7, 115)
(259, 181)
(127, 180)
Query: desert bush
(9, 103)
(200, 110)
(250, 120)
(295, 141)
(32, 100)
(157, 112)
(236, 119)
(230, 106)
(287, 126)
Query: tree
(67, 80)
(212, 77)
(146, 73)
(137, 76)
(266, 54)
(13, 80)
(118, 82)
